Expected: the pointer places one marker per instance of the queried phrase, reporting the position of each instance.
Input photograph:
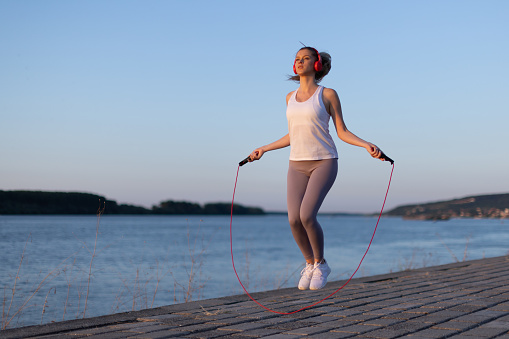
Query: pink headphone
(318, 64)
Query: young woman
(313, 158)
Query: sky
(146, 101)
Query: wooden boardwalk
(461, 300)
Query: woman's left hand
(374, 151)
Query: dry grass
(465, 251)
(138, 292)
(10, 314)
(193, 262)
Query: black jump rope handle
(243, 162)
(384, 157)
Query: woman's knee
(308, 219)
(294, 221)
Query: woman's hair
(326, 65)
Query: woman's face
(305, 61)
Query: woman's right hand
(256, 154)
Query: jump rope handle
(243, 162)
(386, 158)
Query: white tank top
(308, 126)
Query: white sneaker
(305, 276)
(320, 274)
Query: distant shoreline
(494, 206)
(76, 203)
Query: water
(149, 261)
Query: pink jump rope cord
(316, 303)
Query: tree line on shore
(480, 206)
(43, 202)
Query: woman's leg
(322, 178)
(297, 182)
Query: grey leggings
(308, 184)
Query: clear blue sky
(144, 101)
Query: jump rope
(246, 160)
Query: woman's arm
(281, 143)
(333, 106)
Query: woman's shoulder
(329, 95)
(289, 95)
(331, 101)
(329, 92)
